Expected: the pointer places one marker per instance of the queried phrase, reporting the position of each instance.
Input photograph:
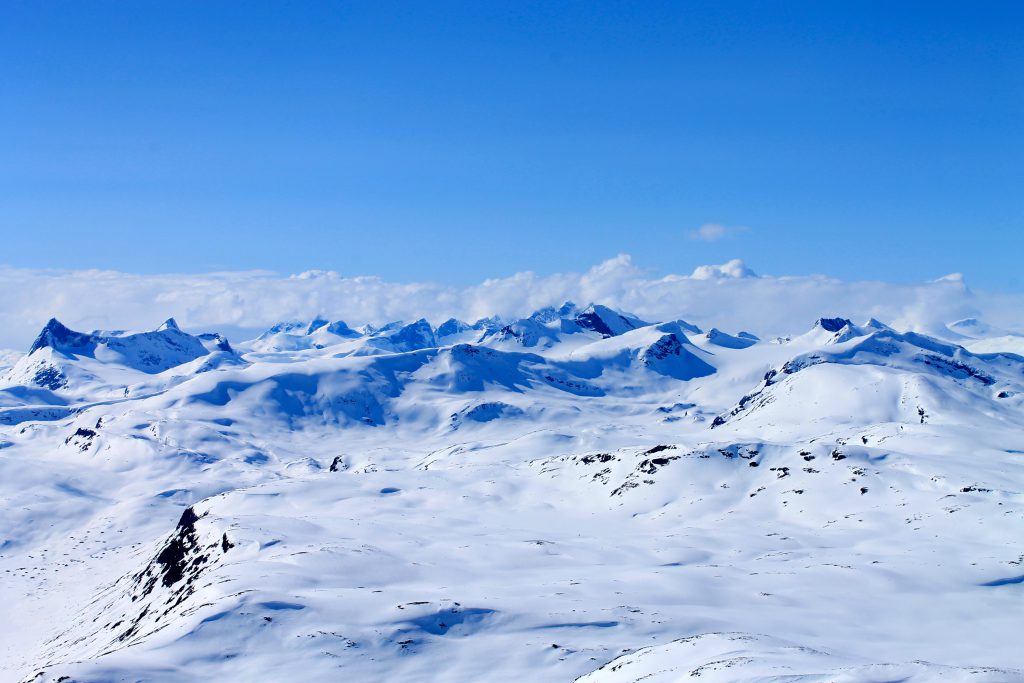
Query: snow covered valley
(577, 495)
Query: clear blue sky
(456, 141)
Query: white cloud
(711, 232)
(239, 303)
(731, 269)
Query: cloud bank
(729, 296)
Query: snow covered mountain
(575, 495)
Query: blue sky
(452, 142)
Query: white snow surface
(577, 495)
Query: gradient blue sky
(457, 141)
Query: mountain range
(579, 494)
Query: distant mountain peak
(340, 328)
(488, 324)
(149, 352)
(550, 314)
(413, 337)
(56, 335)
(452, 326)
(316, 324)
(606, 321)
(832, 324)
(741, 341)
(567, 309)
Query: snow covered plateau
(579, 495)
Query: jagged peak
(832, 324)
(488, 324)
(386, 328)
(550, 314)
(452, 326)
(169, 324)
(315, 324)
(410, 337)
(673, 355)
(55, 334)
(545, 315)
(284, 326)
(607, 321)
(219, 341)
(341, 328)
(417, 324)
(54, 325)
